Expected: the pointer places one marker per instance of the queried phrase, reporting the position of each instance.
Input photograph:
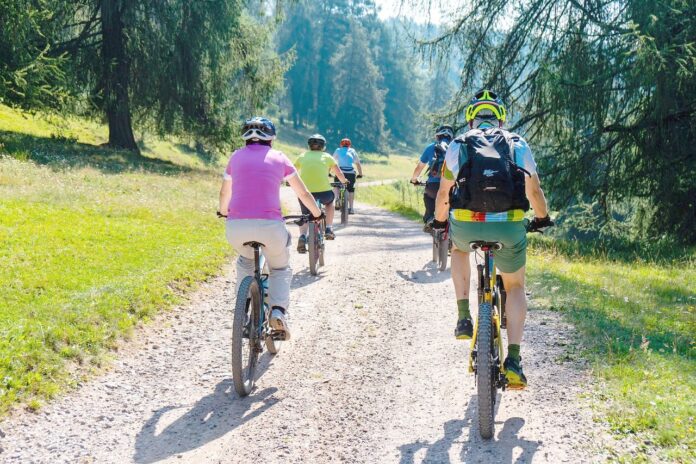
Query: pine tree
(358, 110)
(606, 90)
(404, 99)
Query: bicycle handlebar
(298, 220)
(418, 183)
(338, 184)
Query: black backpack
(438, 159)
(489, 181)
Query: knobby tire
(436, 254)
(344, 211)
(485, 371)
(321, 243)
(500, 298)
(313, 242)
(244, 375)
(442, 250)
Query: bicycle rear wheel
(485, 371)
(245, 349)
(436, 252)
(313, 242)
(344, 210)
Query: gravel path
(373, 374)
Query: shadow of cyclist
(438, 451)
(210, 418)
(502, 449)
(303, 278)
(429, 274)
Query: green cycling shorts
(511, 234)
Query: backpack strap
(511, 138)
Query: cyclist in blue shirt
(433, 157)
(347, 157)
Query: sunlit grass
(637, 320)
(94, 240)
(399, 197)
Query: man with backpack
(492, 176)
(433, 157)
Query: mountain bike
(487, 353)
(441, 242)
(341, 201)
(315, 243)
(251, 328)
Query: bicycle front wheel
(245, 336)
(485, 371)
(436, 251)
(344, 210)
(500, 298)
(442, 250)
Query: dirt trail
(373, 374)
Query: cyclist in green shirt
(486, 112)
(314, 167)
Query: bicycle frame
(486, 280)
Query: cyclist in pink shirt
(250, 198)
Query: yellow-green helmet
(486, 105)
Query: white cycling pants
(276, 239)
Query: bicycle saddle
(481, 244)
(254, 244)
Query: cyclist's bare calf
(515, 304)
(461, 273)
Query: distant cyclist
(496, 180)
(347, 157)
(433, 157)
(253, 212)
(313, 166)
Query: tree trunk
(116, 72)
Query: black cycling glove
(318, 218)
(438, 225)
(539, 224)
(359, 176)
(220, 215)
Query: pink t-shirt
(256, 172)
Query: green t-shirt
(313, 167)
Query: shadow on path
(304, 277)
(429, 274)
(210, 418)
(475, 450)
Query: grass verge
(94, 240)
(637, 318)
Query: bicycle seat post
(257, 258)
